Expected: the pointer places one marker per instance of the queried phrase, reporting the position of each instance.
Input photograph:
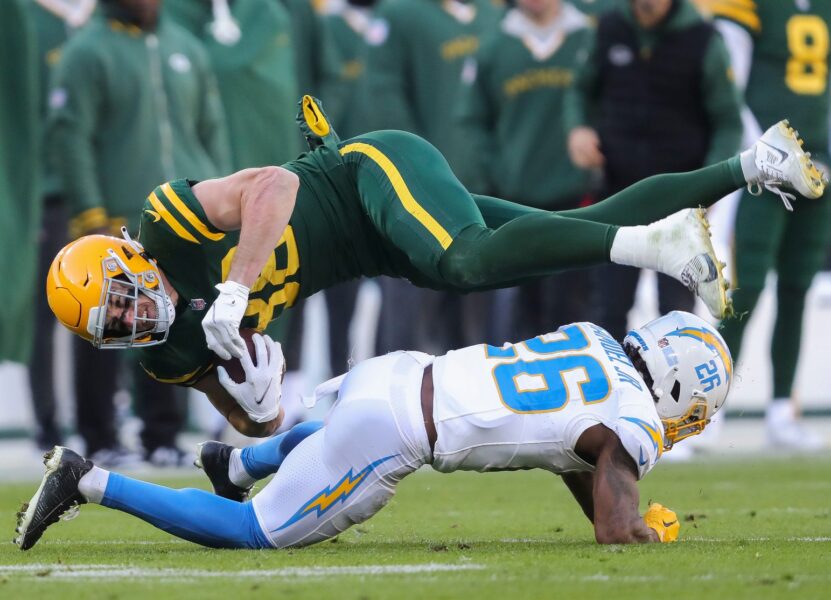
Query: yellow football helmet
(95, 272)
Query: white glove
(221, 324)
(259, 395)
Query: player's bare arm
(234, 413)
(614, 489)
(580, 484)
(258, 203)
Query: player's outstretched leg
(346, 472)
(234, 471)
(679, 246)
(56, 496)
(193, 515)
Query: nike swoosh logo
(156, 216)
(641, 460)
(260, 401)
(782, 154)
(670, 524)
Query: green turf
(754, 529)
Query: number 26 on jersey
(545, 373)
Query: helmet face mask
(127, 291)
(690, 369)
(96, 280)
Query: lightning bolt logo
(330, 495)
(711, 341)
(652, 431)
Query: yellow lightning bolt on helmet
(89, 273)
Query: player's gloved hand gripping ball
(221, 323)
(664, 521)
(260, 392)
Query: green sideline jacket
(256, 76)
(346, 26)
(420, 51)
(19, 169)
(128, 109)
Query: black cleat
(213, 458)
(57, 497)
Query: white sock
(631, 247)
(236, 470)
(93, 485)
(748, 161)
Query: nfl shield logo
(197, 304)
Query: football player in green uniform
(779, 50)
(235, 251)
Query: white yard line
(47, 571)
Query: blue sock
(264, 459)
(193, 515)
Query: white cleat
(685, 252)
(780, 160)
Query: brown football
(233, 365)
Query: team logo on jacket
(620, 55)
(377, 32)
(57, 99)
(179, 62)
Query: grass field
(759, 529)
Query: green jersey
(328, 240)
(789, 69)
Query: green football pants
(464, 242)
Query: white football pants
(347, 471)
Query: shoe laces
(771, 185)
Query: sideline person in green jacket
(54, 22)
(19, 188)
(256, 73)
(133, 101)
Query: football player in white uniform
(574, 402)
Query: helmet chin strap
(163, 307)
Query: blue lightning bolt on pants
(338, 476)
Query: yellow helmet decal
(712, 342)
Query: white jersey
(525, 405)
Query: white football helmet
(691, 370)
